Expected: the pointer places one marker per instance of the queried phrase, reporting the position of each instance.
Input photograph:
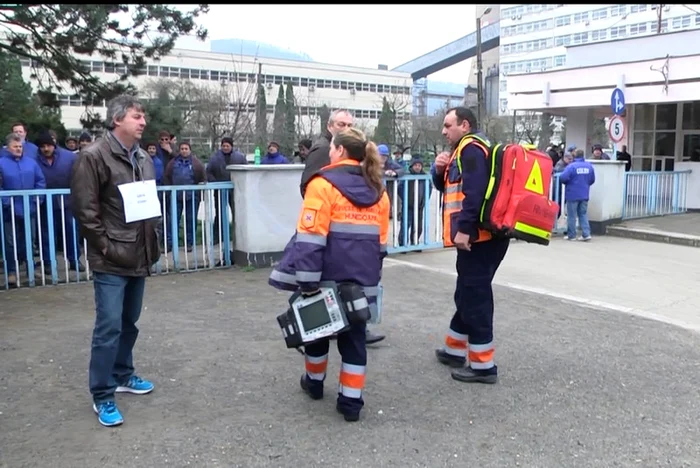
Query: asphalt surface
(579, 387)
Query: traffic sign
(617, 101)
(617, 128)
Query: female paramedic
(341, 236)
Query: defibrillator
(332, 310)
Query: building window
(691, 131)
(618, 10)
(599, 35)
(562, 21)
(619, 31)
(654, 138)
(599, 14)
(640, 28)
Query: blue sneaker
(108, 414)
(136, 385)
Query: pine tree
(324, 114)
(278, 118)
(289, 141)
(384, 133)
(261, 119)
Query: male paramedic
(463, 177)
(319, 157)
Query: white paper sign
(140, 200)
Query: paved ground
(685, 224)
(676, 229)
(580, 387)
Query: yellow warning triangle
(534, 180)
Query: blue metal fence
(655, 194)
(201, 237)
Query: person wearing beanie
(412, 230)
(83, 140)
(216, 172)
(57, 166)
(273, 155)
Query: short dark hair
(462, 114)
(306, 143)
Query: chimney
(383, 67)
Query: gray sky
(356, 35)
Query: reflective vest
(453, 195)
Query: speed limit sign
(617, 128)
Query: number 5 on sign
(617, 129)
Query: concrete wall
(693, 193)
(267, 205)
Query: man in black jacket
(319, 157)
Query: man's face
(164, 140)
(272, 149)
(452, 131)
(383, 158)
(19, 130)
(84, 143)
(15, 148)
(133, 123)
(303, 151)
(417, 167)
(597, 153)
(71, 144)
(568, 158)
(341, 122)
(185, 151)
(47, 150)
(151, 150)
(226, 148)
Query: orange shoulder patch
(308, 218)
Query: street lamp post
(479, 71)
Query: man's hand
(441, 162)
(390, 173)
(462, 241)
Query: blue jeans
(577, 209)
(118, 301)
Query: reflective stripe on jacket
(453, 194)
(342, 233)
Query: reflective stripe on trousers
(316, 366)
(352, 380)
(456, 344)
(481, 356)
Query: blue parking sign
(617, 101)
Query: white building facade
(358, 89)
(661, 85)
(534, 37)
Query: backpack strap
(485, 145)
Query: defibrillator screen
(314, 315)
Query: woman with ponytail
(342, 234)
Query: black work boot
(348, 416)
(371, 338)
(469, 375)
(315, 392)
(448, 359)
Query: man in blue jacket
(18, 171)
(578, 178)
(56, 164)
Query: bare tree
(308, 118)
(223, 109)
(499, 129)
(400, 106)
(427, 133)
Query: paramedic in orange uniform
(463, 178)
(341, 236)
